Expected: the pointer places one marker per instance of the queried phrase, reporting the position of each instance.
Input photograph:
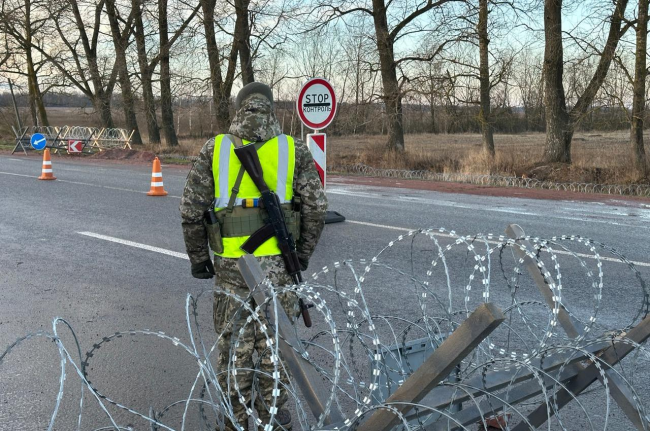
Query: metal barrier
(113, 138)
(77, 138)
(494, 180)
(24, 135)
(488, 327)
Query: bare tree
(529, 85)
(485, 114)
(243, 40)
(146, 73)
(359, 72)
(148, 65)
(392, 22)
(560, 120)
(221, 85)
(166, 111)
(639, 99)
(120, 43)
(86, 68)
(21, 22)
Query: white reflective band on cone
(160, 184)
(47, 171)
(47, 163)
(156, 174)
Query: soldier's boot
(282, 420)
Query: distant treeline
(371, 119)
(51, 100)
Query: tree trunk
(31, 97)
(150, 107)
(120, 43)
(432, 111)
(243, 41)
(102, 104)
(222, 115)
(36, 105)
(560, 123)
(558, 130)
(392, 95)
(221, 88)
(166, 109)
(146, 73)
(103, 93)
(638, 104)
(485, 115)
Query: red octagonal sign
(316, 104)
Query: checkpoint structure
(316, 106)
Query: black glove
(203, 270)
(303, 263)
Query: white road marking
(19, 175)
(183, 256)
(446, 235)
(136, 245)
(456, 205)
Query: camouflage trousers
(229, 318)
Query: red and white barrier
(317, 146)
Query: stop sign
(316, 104)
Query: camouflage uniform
(254, 121)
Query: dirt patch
(123, 154)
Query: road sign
(316, 143)
(75, 146)
(316, 104)
(38, 141)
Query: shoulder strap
(237, 141)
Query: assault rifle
(275, 224)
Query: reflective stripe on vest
(277, 157)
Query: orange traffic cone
(47, 167)
(157, 188)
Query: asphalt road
(93, 249)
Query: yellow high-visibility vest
(278, 158)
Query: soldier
(216, 180)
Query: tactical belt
(245, 221)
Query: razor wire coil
(494, 180)
(355, 345)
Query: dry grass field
(598, 157)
